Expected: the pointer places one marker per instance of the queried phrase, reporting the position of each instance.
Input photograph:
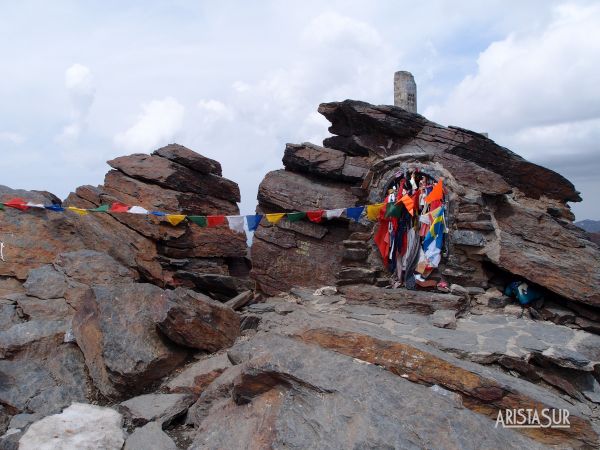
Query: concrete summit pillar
(405, 91)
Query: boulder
(45, 282)
(194, 320)
(80, 426)
(173, 175)
(115, 328)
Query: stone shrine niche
(408, 220)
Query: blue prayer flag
(57, 208)
(253, 221)
(355, 213)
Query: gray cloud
(236, 84)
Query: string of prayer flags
(334, 213)
(355, 213)
(198, 220)
(175, 219)
(119, 207)
(274, 218)
(236, 223)
(296, 216)
(17, 203)
(214, 221)
(373, 211)
(253, 221)
(315, 216)
(437, 193)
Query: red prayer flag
(315, 216)
(437, 193)
(213, 221)
(119, 207)
(17, 203)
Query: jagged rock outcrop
(505, 213)
(84, 313)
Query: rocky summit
(137, 331)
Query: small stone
(475, 290)
(240, 300)
(514, 310)
(150, 436)
(444, 318)
(458, 290)
(326, 290)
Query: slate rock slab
(162, 408)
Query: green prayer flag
(2, 206)
(101, 208)
(296, 216)
(393, 210)
(198, 220)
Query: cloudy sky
(82, 82)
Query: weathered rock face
(322, 372)
(504, 211)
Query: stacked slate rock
(505, 214)
(87, 306)
(173, 179)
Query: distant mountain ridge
(591, 226)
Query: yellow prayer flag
(274, 218)
(80, 211)
(373, 211)
(175, 219)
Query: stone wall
(504, 212)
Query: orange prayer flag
(437, 193)
(408, 203)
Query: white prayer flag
(137, 210)
(334, 213)
(236, 223)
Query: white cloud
(332, 28)
(546, 77)
(80, 86)
(158, 124)
(13, 138)
(214, 110)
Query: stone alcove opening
(400, 237)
